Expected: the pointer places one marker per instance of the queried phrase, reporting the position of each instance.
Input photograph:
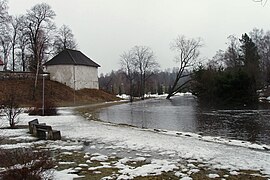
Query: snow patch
(155, 168)
(66, 163)
(16, 146)
(186, 178)
(99, 158)
(212, 176)
(216, 152)
(65, 174)
(83, 165)
(234, 173)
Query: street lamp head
(45, 74)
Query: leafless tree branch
(187, 56)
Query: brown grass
(55, 92)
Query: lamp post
(74, 83)
(43, 93)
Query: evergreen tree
(249, 55)
(235, 85)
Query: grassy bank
(59, 94)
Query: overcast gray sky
(104, 29)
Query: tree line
(235, 75)
(140, 72)
(28, 40)
(232, 76)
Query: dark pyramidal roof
(1, 62)
(71, 57)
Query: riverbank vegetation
(233, 78)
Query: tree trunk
(169, 96)
(36, 80)
(144, 81)
(12, 124)
(142, 86)
(13, 57)
(23, 62)
(131, 91)
(172, 91)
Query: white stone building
(74, 69)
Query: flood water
(184, 114)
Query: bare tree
(11, 109)
(187, 56)
(4, 32)
(15, 26)
(217, 62)
(262, 41)
(40, 25)
(22, 42)
(6, 44)
(231, 55)
(265, 58)
(3, 11)
(146, 64)
(64, 39)
(128, 66)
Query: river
(184, 114)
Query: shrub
(25, 164)
(10, 108)
(49, 109)
(228, 87)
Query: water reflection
(184, 114)
(249, 125)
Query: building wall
(1, 68)
(83, 76)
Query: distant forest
(116, 82)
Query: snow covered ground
(126, 97)
(172, 146)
